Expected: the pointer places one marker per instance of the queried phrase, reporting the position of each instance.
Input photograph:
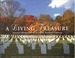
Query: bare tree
(11, 8)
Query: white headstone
(49, 46)
(2, 50)
(43, 49)
(21, 49)
(29, 44)
(66, 47)
(33, 45)
(53, 43)
(73, 41)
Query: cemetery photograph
(37, 29)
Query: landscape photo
(37, 29)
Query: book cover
(37, 29)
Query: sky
(51, 7)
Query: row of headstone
(71, 39)
(50, 44)
(42, 43)
(3, 40)
(30, 43)
(19, 47)
(4, 46)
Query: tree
(10, 9)
(68, 20)
(30, 19)
(19, 21)
(44, 17)
(36, 27)
(58, 19)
